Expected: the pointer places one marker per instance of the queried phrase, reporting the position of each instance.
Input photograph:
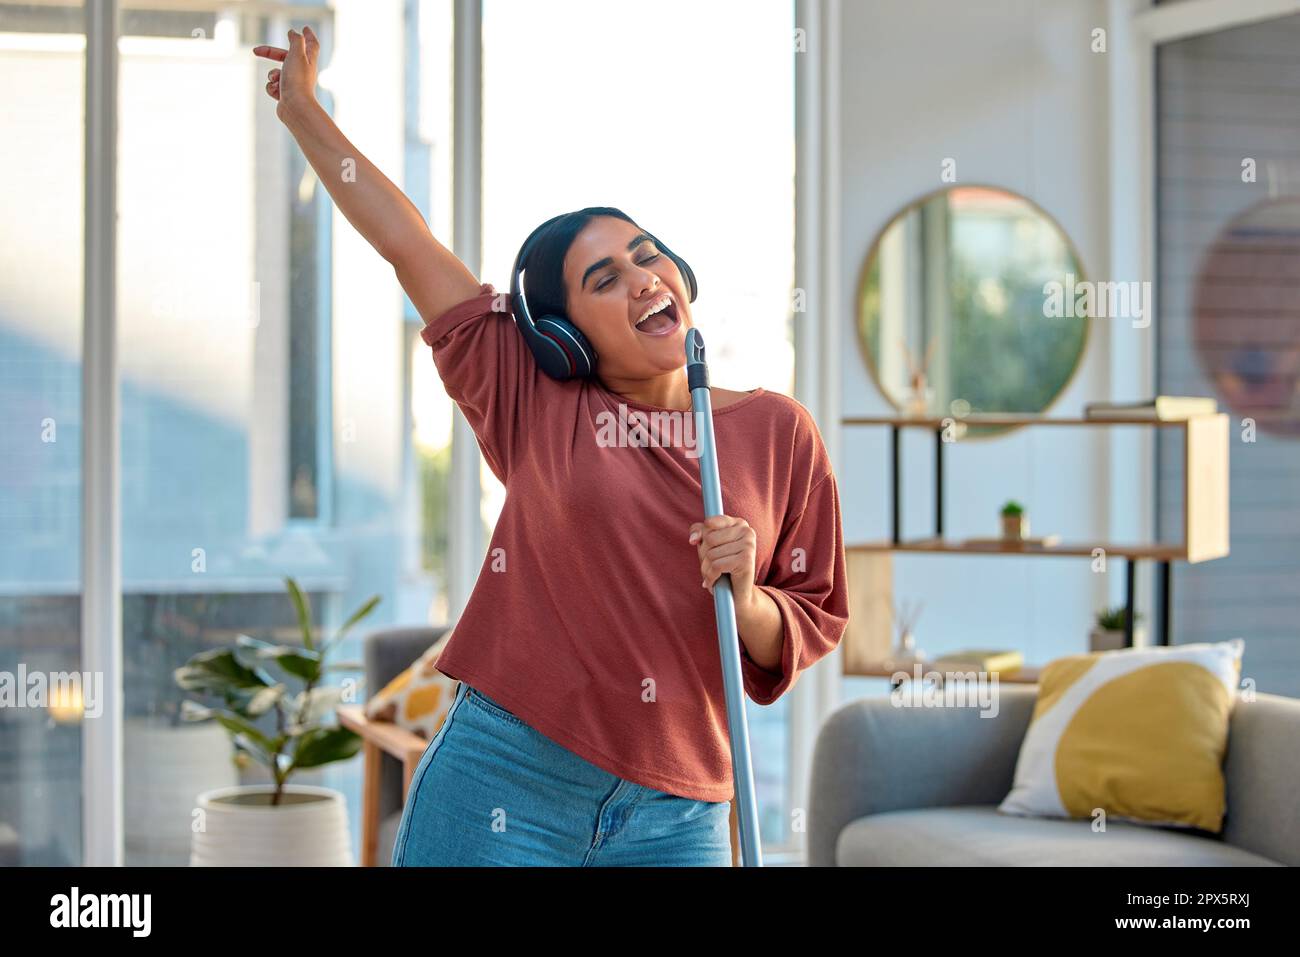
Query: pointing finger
(271, 53)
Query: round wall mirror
(952, 307)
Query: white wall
(1012, 92)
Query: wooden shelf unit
(987, 419)
(1205, 504)
(1077, 549)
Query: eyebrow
(602, 263)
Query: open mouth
(662, 322)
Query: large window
(268, 419)
(270, 370)
(309, 257)
(1229, 324)
(571, 91)
(279, 413)
(42, 71)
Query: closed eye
(604, 283)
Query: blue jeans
(492, 791)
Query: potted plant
(1108, 633)
(1015, 523)
(278, 823)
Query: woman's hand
(293, 85)
(727, 546)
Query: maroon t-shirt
(588, 620)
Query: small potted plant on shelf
(1015, 523)
(1108, 633)
(277, 824)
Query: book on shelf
(1163, 408)
(992, 661)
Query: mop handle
(724, 608)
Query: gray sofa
(388, 652)
(920, 786)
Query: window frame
(324, 378)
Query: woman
(589, 724)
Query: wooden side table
(379, 738)
(383, 737)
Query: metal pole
(465, 537)
(1129, 565)
(102, 782)
(938, 483)
(1166, 602)
(894, 484)
(724, 607)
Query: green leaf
(263, 700)
(299, 662)
(193, 711)
(304, 612)
(305, 667)
(216, 671)
(258, 649)
(357, 615)
(238, 699)
(325, 745)
(241, 727)
(244, 745)
(320, 703)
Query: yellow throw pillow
(1140, 733)
(418, 699)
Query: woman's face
(615, 275)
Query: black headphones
(561, 350)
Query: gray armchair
(920, 786)
(387, 653)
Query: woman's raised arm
(432, 276)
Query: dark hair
(547, 292)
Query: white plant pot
(238, 827)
